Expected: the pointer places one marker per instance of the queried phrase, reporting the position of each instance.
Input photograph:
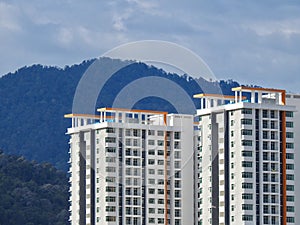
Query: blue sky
(253, 42)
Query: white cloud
(9, 17)
(237, 39)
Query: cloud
(9, 17)
(242, 40)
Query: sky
(252, 41)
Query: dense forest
(32, 193)
(34, 100)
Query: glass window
(246, 143)
(246, 164)
(289, 114)
(246, 132)
(246, 111)
(177, 135)
(246, 121)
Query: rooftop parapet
(241, 94)
(213, 100)
(118, 115)
(261, 95)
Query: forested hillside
(34, 100)
(32, 193)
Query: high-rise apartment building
(131, 167)
(246, 158)
(235, 165)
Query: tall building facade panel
(132, 167)
(251, 139)
(235, 165)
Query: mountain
(32, 193)
(34, 100)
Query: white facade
(245, 150)
(132, 167)
(234, 166)
(294, 99)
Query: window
(110, 159)
(151, 132)
(290, 166)
(247, 196)
(151, 220)
(177, 203)
(247, 153)
(136, 142)
(110, 199)
(266, 200)
(246, 164)
(247, 174)
(176, 145)
(265, 124)
(289, 134)
(247, 207)
(265, 134)
(160, 191)
(265, 113)
(246, 143)
(160, 181)
(177, 154)
(290, 198)
(176, 135)
(151, 181)
(151, 171)
(160, 133)
(290, 188)
(232, 122)
(247, 185)
(110, 150)
(110, 130)
(110, 218)
(177, 164)
(110, 140)
(177, 193)
(150, 142)
(290, 219)
(247, 217)
(160, 172)
(290, 208)
(151, 161)
(246, 132)
(273, 114)
(128, 141)
(151, 210)
(246, 121)
(246, 111)
(160, 152)
(289, 114)
(177, 213)
(160, 201)
(110, 209)
(110, 189)
(160, 142)
(160, 162)
(289, 124)
(110, 169)
(178, 174)
(289, 145)
(136, 133)
(290, 155)
(161, 220)
(290, 177)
